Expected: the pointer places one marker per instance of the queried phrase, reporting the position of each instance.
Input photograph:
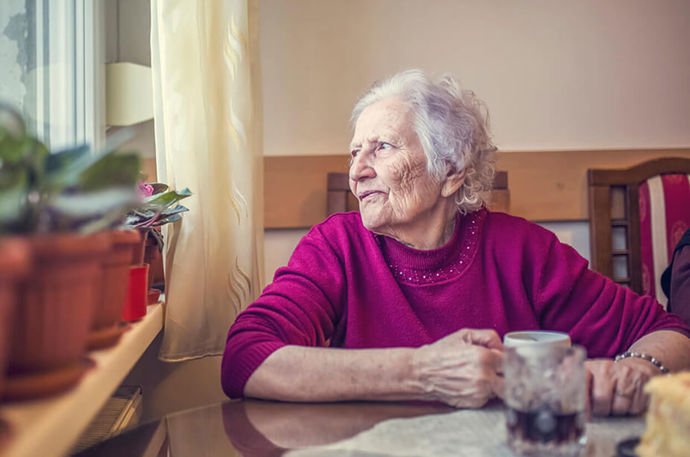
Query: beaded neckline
(412, 266)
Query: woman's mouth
(368, 193)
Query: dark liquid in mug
(543, 425)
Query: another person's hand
(616, 388)
(462, 369)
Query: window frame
(70, 76)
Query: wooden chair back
(636, 217)
(340, 199)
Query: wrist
(641, 360)
(418, 378)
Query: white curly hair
(453, 128)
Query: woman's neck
(430, 232)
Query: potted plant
(160, 206)
(14, 264)
(106, 328)
(59, 203)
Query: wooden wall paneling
(552, 185)
(295, 189)
(338, 186)
(544, 185)
(499, 199)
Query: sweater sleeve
(599, 314)
(300, 307)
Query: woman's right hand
(463, 369)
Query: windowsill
(51, 426)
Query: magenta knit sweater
(346, 287)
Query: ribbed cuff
(239, 367)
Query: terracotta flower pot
(153, 256)
(54, 314)
(105, 328)
(14, 264)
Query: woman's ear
(452, 183)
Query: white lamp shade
(129, 93)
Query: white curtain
(208, 139)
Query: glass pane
(618, 238)
(620, 266)
(16, 50)
(46, 64)
(618, 203)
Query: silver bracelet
(646, 357)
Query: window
(51, 55)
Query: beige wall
(555, 75)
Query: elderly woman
(408, 298)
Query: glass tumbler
(545, 395)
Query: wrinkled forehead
(390, 116)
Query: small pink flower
(145, 189)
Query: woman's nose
(361, 167)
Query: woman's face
(388, 173)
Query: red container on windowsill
(154, 296)
(137, 293)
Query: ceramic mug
(536, 338)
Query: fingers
(640, 399)
(622, 401)
(484, 337)
(465, 378)
(615, 388)
(464, 368)
(493, 370)
(601, 394)
(624, 391)
(498, 387)
(491, 358)
(498, 361)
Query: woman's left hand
(616, 388)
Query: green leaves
(13, 194)
(70, 190)
(75, 189)
(166, 198)
(110, 170)
(157, 209)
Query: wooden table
(263, 428)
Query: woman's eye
(354, 153)
(384, 145)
